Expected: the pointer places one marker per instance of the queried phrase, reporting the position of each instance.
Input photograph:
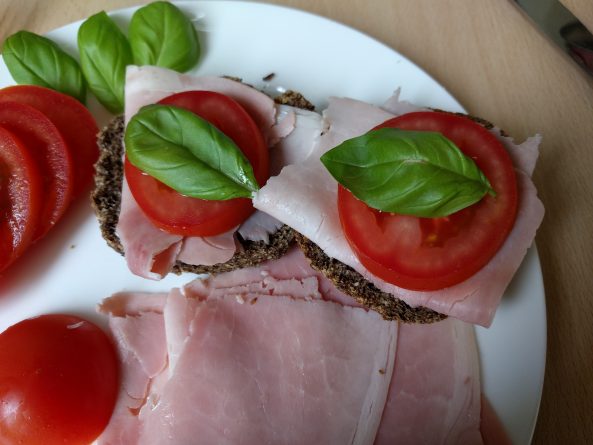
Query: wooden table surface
(490, 57)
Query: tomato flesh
(20, 198)
(45, 144)
(74, 122)
(182, 215)
(58, 381)
(434, 253)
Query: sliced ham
(304, 197)
(208, 250)
(434, 396)
(292, 267)
(319, 369)
(253, 390)
(298, 145)
(150, 252)
(136, 323)
(264, 356)
(258, 227)
(149, 84)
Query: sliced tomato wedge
(74, 122)
(45, 144)
(20, 198)
(434, 253)
(58, 381)
(182, 215)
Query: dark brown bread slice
(366, 293)
(106, 196)
(106, 200)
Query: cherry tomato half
(45, 144)
(434, 253)
(21, 197)
(58, 381)
(74, 122)
(182, 215)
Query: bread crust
(362, 290)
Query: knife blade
(562, 27)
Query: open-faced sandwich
(435, 211)
(159, 229)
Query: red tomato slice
(58, 381)
(182, 215)
(45, 144)
(434, 253)
(20, 198)
(75, 123)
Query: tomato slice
(74, 122)
(182, 215)
(20, 198)
(434, 253)
(45, 144)
(58, 381)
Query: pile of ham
(275, 355)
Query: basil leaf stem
(104, 54)
(188, 154)
(35, 60)
(407, 172)
(160, 34)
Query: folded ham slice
(304, 196)
(269, 368)
(150, 252)
(435, 389)
(263, 356)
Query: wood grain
(488, 55)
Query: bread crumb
(381, 371)
(240, 299)
(268, 77)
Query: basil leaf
(188, 154)
(161, 35)
(36, 60)
(104, 54)
(407, 172)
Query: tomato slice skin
(45, 144)
(434, 253)
(74, 122)
(20, 198)
(182, 215)
(58, 381)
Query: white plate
(73, 268)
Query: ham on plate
(304, 196)
(151, 252)
(266, 356)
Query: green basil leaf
(161, 35)
(188, 154)
(104, 54)
(36, 60)
(407, 172)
